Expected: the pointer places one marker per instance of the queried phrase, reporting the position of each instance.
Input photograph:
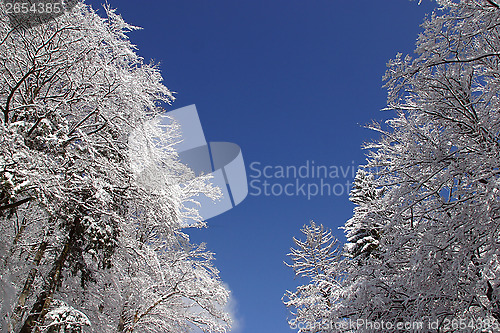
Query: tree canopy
(423, 242)
(90, 230)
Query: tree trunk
(19, 311)
(41, 306)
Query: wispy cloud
(232, 309)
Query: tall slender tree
(319, 261)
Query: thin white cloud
(232, 309)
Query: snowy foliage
(63, 318)
(318, 259)
(364, 228)
(424, 239)
(84, 219)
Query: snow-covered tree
(424, 239)
(364, 227)
(318, 260)
(82, 215)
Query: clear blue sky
(290, 81)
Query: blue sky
(291, 82)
